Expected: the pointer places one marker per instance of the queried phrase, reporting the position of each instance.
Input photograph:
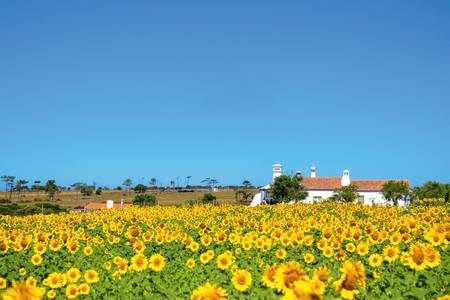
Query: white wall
(369, 197)
(318, 193)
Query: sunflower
(22, 271)
(396, 238)
(71, 291)
(287, 274)
(322, 273)
(269, 276)
(416, 257)
(21, 290)
(139, 263)
(328, 251)
(432, 256)
(157, 262)
(193, 246)
(308, 258)
(139, 246)
(390, 253)
(40, 248)
(209, 292)
(36, 259)
(84, 289)
(242, 280)
(375, 260)
(91, 276)
(224, 261)
(73, 246)
(305, 290)
(434, 237)
(281, 254)
(3, 283)
(362, 249)
(73, 275)
(88, 251)
(107, 266)
(350, 247)
(353, 276)
(190, 263)
(51, 294)
(204, 258)
(31, 281)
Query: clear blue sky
(105, 90)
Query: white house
(321, 188)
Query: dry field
(75, 198)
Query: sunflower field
(318, 251)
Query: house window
(317, 199)
(361, 199)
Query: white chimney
(313, 172)
(277, 171)
(345, 181)
(298, 173)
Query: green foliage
(395, 190)
(286, 188)
(345, 193)
(98, 192)
(17, 210)
(144, 199)
(140, 188)
(432, 189)
(208, 198)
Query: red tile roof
(103, 206)
(331, 183)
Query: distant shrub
(17, 210)
(98, 191)
(208, 198)
(144, 199)
(4, 200)
(193, 201)
(140, 188)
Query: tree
(246, 184)
(51, 188)
(36, 186)
(346, 193)
(9, 184)
(78, 185)
(286, 189)
(153, 182)
(431, 189)
(210, 182)
(87, 190)
(127, 183)
(395, 190)
(172, 184)
(98, 192)
(21, 185)
(140, 188)
(188, 178)
(144, 199)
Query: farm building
(99, 205)
(322, 188)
